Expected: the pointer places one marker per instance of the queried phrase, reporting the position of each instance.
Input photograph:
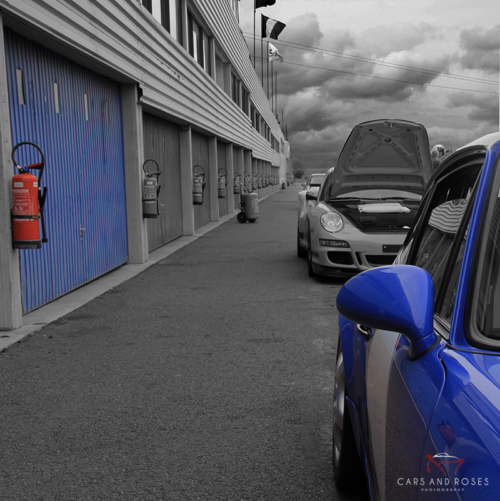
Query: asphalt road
(207, 377)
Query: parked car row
(361, 215)
(417, 374)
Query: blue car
(417, 376)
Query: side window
(451, 287)
(404, 253)
(440, 234)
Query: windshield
(382, 194)
(316, 180)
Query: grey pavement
(208, 376)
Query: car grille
(380, 260)
(339, 257)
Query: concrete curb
(39, 318)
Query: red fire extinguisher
(28, 201)
(254, 182)
(222, 183)
(198, 184)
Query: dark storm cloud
(391, 84)
(348, 78)
(315, 109)
(325, 95)
(480, 49)
(302, 60)
(484, 107)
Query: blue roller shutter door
(74, 115)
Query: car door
(462, 452)
(401, 393)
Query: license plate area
(391, 248)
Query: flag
(263, 3)
(271, 28)
(274, 54)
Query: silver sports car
(360, 217)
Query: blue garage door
(74, 115)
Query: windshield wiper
(347, 200)
(400, 198)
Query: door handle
(81, 231)
(364, 331)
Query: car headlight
(332, 222)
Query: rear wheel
(347, 472)
(241, 217)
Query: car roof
(488, 140)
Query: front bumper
(365, 251)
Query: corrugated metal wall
(200, 157)
(222, 164)
(161, 143)
(138, 47)
(83, 145)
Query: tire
(241, 217)
(301, 252)
(310, 270)
(252, 220)
(347, 472)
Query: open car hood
(383, 154)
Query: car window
(316, 180)
(445, 309)
(440, 234)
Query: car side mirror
(311, 195)
(398, 298)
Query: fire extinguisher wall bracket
(28, 202)
(221, 186)
(150, 191)
(198, 184)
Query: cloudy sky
(436, 63)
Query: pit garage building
(108, 89)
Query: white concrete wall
(10, 276)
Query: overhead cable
(386, 78)
(377, 62)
